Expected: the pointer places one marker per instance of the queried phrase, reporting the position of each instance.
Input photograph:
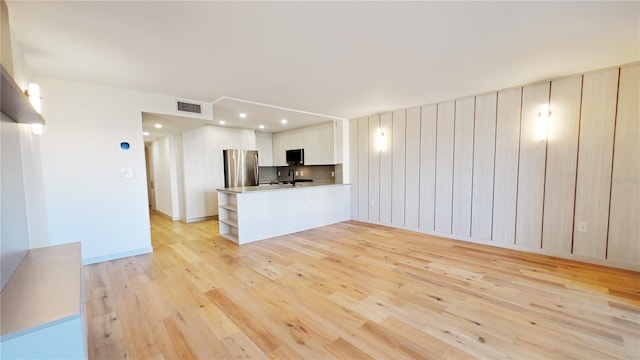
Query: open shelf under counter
(229, 222)
(255, 213)
(229, 207)
(228, 215)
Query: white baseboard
(119, 255)
(192, 220)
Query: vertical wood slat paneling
(412, 180)
(595, 153)
(398, 167)
(363, 168)
(506, 165)
(444, 166)
(583, 114)
(624, 226)
(562, 153)
(483, 166)
(428, 167)
(374, 170)
(385, 169)
(463, 166)
(531, 171)
(353, 166)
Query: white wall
(179, 159)
(163, 158)
(14, 231)
(87, 198)
(22, 215)
(23, 219)
(485, 175)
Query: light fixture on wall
(379, 140)
(542, 125)
(37, 129)
(33, 92)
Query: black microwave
(295, 157)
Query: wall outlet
(278, 173)
(296, 172)
(582, 226)
(301, 173)
(333, 174)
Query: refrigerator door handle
(256, 165)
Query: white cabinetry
(319, 144)
(286, 141)
(317, 141)
(264, 144)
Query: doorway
(150, 178)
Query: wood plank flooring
(354, 290)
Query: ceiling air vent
(190, 108)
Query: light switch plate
(126, 172)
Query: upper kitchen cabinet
(317, 141)
(264, 144)
(319, 144)
(286, 141)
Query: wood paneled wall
(480, 168)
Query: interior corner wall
(88, 197)
(14, 227)
(179, 159)
(492, 169)
(33, 187)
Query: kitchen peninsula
(252, 213)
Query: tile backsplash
(319, 173)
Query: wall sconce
(542, 125)
(379, 140)
(37, 129)
(33, 92)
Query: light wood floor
(354, 290)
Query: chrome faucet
(292, 173)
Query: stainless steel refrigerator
(240, 168)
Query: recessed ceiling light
(158, 126)
(222, 122)
(284, 121)
(261, 126)
(243, 115)
(146, 133)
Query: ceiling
(227, 112)
(340, 59)
(170, 125)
